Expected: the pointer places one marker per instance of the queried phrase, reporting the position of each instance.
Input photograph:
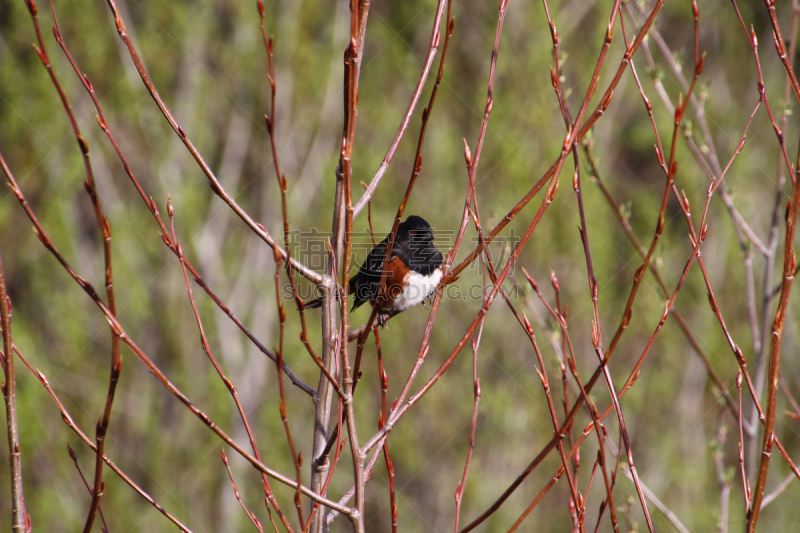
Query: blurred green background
(208, 62)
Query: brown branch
(270, 120)
(561, 317)
(67, 418)
(684, 326)
(332, 334)
(249, 514)
(74, 456)
(576, 504)
(394, 415)
(105, 232)
(789, 264)
(476, 390)
(153, 208)
(215, 184)
(353, 56)
(780, 48)
(382, 418)
(119, 330)
(423, 76)
(401, 407)
(566, 149)
(227, 382)
(297, 458)
(19, 517)
(550, 175)
(760, 361)
(560, 434)
(597, 338)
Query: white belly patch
(417, 288)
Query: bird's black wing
(364, 285)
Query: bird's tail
(317, 302)
(313, 304)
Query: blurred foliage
(207, 60)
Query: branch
(119, 331)
(423, 76)
(215, 184)
(19, 518)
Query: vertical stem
(18, 514)
(320, 465)
(789, 264)
(382, 421)
(342, 232)
(352, 62)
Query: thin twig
(19, 517)
(215, 184)
(249, 514)
(433, 46)
(148, 362)
(105, 231)
(153, 208)
(67, 418)
(270, 498)
(74, 456)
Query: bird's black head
(417, 228)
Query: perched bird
(414, 271)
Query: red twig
(105, 232)
(476, 390)
(554, 170)
(270, 120)
(215, 184)
(19, 517)
(228, 383)
(353, 57)
(153, 208)
(597, 338)
(682, 323)
(74, 456)
(122, 334)
(381, 421)
(559, 435)
(576, 506)
(745, 482)
(426, 113)
(363, 332)
(400, 406)
(561, 318)
(67, 418)
(567, 147)
(789, 265)
(297, 457)
(785, 455)
(780, 48)
(249, 514)
(423, 76)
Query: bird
(414, 271)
